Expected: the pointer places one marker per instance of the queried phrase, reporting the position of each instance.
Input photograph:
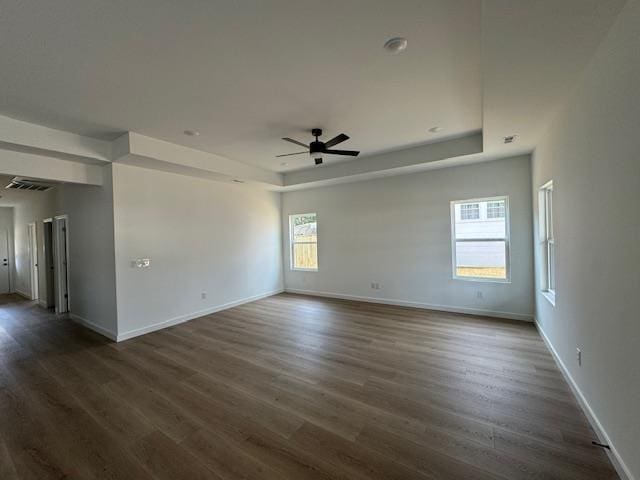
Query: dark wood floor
(289, 387)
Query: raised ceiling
(244, 73)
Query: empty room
(300, 240)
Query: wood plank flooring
(289, 387)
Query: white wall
(92, 287)
(91, 251)
(397, 231)
(218, 238)
(37, 207)
(592, 154)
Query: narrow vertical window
(548, 277)
(303, 231)
(480, 239)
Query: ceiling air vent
(19, 183)
(509, 139)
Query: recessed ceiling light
(395, 45)
(435, 129)
(284, 164)
(191, 133)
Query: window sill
(483, 280)
(303, 269)
(550, 296)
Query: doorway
(61, 263)
(33, 259)
(56, 255)
(4, 264)
(49, 267)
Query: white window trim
(292, 243)
(546, 240)
(507, 240)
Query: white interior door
(4, 262)
(33, 260)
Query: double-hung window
(303, 237)
(545, 205)
(480, 239)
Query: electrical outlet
(203, 295)
(479, 294)
(579, 356)
(375, 285)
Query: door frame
(59, 268)
(32, 238)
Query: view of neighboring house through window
(303, 230)
(495, 209)
(480, 237)
(469, 211)
(545, 204)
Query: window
(545, 204)
(303, 231)
(469, 211)
(480, 239)
(495, 209)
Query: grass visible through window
(482, 272)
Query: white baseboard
(603, 437)
(23, 294)
(426, 306)
(92, 326)
(190, 316)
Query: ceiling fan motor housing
(316, 147)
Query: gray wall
(397, 231)
(592, 154)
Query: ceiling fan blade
(352, 153)
(289, 154)
(296, 142)
(336, 140)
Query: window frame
(506, 240)
(292, 243)
(547, 241)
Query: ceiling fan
(318, 149)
